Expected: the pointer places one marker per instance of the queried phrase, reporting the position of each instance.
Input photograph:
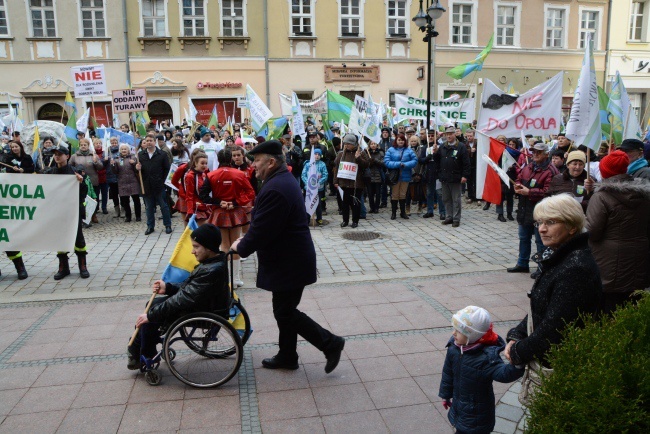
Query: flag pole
(146, 310)
(92, 102)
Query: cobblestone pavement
(62, 362)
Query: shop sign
(642, 66)
(351, 73)
(219, 85)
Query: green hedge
(601, 378)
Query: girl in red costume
(232, 197)
(239, 162)
(194, 180)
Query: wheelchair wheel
(152, 377)
(215, 350)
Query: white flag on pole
(193, 111)
(297, 121)
(82, 122)
(260, 113)
(311, 189)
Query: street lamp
(426, 23)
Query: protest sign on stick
(89, 80)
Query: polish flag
(488, 181)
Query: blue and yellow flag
(463, 70)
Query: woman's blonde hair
(562, 207)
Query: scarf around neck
(636, 165)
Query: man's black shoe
(442, 217)
(501, 218)
(274, 363)
(334, 355)
(536, 274)
(518, 269)
(148, 231)
(510, 217)
(455, 224)
(427, 215)
(133, 362)
(448, 221)
(168, 229)
(344, 224)
(354, 225)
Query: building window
(4, 25)
(350, 94)
(193, 18)
(304, 95)
(555, 27)
(42, 14)
(233, 17)
(397, 18)
(506, 25)
(350, 17)
(589, 24)
(391, 96)
(637, 21)
(153, 18)
(461, 24)
(301, 17)
(92, 18)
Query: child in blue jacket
(471, 365)
(321, 170)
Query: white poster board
(129, 100)
(89, 80)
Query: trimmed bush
(601, 378)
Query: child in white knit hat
(471, 365)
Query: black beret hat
(632, 145)
(271, 147)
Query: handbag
(392, 175)
(533, 374)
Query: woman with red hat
(618, 221)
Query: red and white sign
(488, 182)
(130, 100)
(536, 112)
(89, 80)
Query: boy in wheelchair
(206, 289)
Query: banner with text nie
(38, 212)
(460, 110)
(130, 100)
(89, 80)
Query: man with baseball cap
(532, 184)
(279, 232)
(638, 167)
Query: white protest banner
(360, 103)
(89, 80)
(537, 111)
(170, 174)
(316, 106)
(311, 189)
(91, 206)
(460, 110)
(348, 170)
(129, 100)
(38, 212)
(260, 113)
(297, 121)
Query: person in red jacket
(239, 162)
(232, 197)
(178, 181)
(194, 180)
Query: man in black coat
(278, 232)
(154, 166)
(453, 169)
(425, 158)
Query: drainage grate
(360, 235)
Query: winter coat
(419, 171)
(538, 180)
(430, 172)
(467, 379)
(25, 162)
(569, 285)
(90, 166)
(224, 184)
(395, 157)
(111, 175)
(564, 183)
(154, 170)
(206, 289)
(101, 173)
(377, 165)
(128, 181)
(279, 233)
(193, 182)
(294, 160)
(618, 220)
(452, 163)
(345, 156)
(322, 174)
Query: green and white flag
(260, 113)
(624, 122)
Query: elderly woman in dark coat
(376, 176)
(568, 285)
(127, 182)
(618, 220)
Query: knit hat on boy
(472, 321)
(207, 235)
(614, 164)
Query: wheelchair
(202, 349)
